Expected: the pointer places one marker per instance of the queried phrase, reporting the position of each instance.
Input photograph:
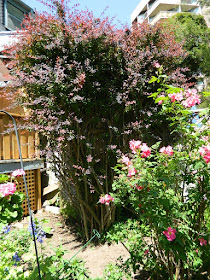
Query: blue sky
(120, 9)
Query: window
(14, 14)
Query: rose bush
(10, 200)
(167, 193)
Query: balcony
(161, 15)
(164, 5)
(142, 17)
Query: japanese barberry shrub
(85, 84)
(167, 189)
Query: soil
(96, 258)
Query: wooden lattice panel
(32, 191)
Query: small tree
(193, 31)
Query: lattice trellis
(33, 190)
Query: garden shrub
(85, 84)
(17, 256)
(167, 188)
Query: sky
(120, 9)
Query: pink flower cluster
(131, 171)
(106, 199)
(188, 98)
(139, 188)
(18, 173)
(205, 153)
(137, 145)
(126, 160)
(134, 145)
(167, 150)
(7, 189)
(146, 151)
(176, 96)
(170, 234)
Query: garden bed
(95, 257)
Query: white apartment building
(156, 10)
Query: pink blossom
(176, 96)
(131, 171)
(146, 151)
(106, 199)
(139, 187)
(134, 145)
(172, 97)
(205, 153)
(7, 189)
(191, 101)
(146, 251)
(190, 92)
(102, 200)
(89, 158)
(170, 234)
(167, 150)
(126, 160)
(202, 241)
(160, 101)
(18, 173)
(157, 65)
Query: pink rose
(176, 96)
(145, 151)
(102, 200)
(190, 92)
(7, 189)
(106, 199)
(160, 101)
(131, 171)
(18, 173)
(139, 188)
(205, 153)
(126, 160)
(191, 101)
(134, 145)
(167, 150)
(170, 234)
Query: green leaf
(153, 79)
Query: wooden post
(38, 189)
(15, 151)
